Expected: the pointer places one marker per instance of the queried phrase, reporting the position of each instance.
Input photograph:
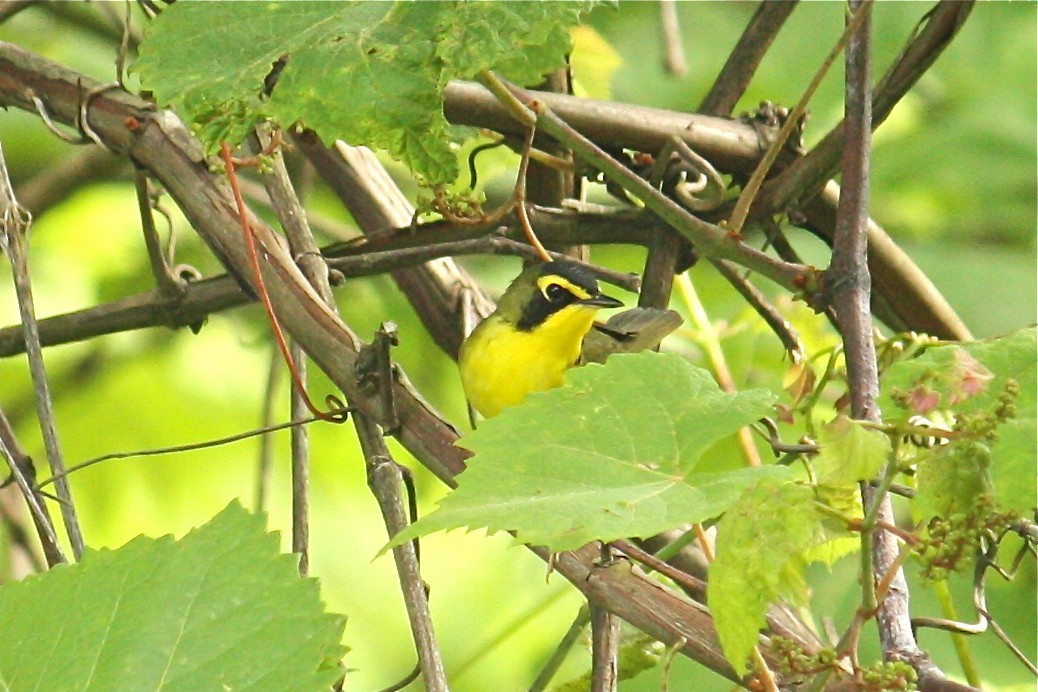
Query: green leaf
(954, 479)
(369, 73)
(970, 379)
(219, 609)
(833, 538)
(522, 41)
(759, 543)
(849, 452)
(611, 454)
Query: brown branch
(403, 249)
(149, 309)
(731, 82)
(806, 177)
(548, 186)
(847, 288)
(668, 255)
(375, 203)
(168, 283)
(847, 280)
(902, 295)
(605, 648)
(385, 481)
(728, 144)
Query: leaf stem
(959, 640)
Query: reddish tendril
(520, 197)
(338, 412)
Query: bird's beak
(602, 301)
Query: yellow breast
(501, 365)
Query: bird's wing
(630, 331)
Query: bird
(544, 324)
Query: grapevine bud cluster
(797, 666)
(982, 425)
(952, 542)
(892, 675)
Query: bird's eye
(556, 294)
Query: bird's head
(551, 290)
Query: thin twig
(551, 178)
(780, 326)
(176, 449)
(169, 285)
(520, 199)
(265, 462)
(657, 564)
(385, 481)
(566, 644)
(292, 215)
(300, 445)
(673, 51)
(24, 475)
(16, 222)
(337, 414)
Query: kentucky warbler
(538, 330)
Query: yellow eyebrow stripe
(544, 281)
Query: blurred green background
(954, 181)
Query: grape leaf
(369, 73)
(760, 543)
(969, 378)
(611, 454)
(834, 539)
(849, 452)
(521, 40)
(954, 479)
(217, 609)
